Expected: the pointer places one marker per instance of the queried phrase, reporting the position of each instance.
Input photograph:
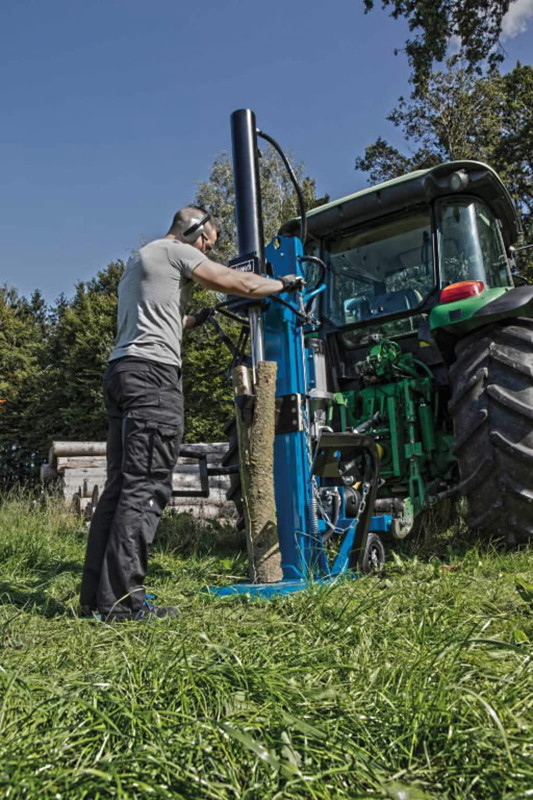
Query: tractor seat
(394, 302)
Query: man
(143, 397)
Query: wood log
(76, 449)
(73, 483)
(86, 462)
(256, 461)
(214, 450)
(218, 498)
(97, 475)
(206, 511)
(82, 468)
(192, 483)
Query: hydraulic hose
(323, 273)
(294, 180)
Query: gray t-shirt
(152, 296)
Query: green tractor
(425, 345)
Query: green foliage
(79, 343)
(279, 200)
(476, 25)
(414, 684)
(460, 115)
(513, 148)
(22, 344)
(206, 385)
(51, 366)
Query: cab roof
(409, 191)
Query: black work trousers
(144, 403)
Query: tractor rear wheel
(492, 409)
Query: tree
(463, 116)
(22, 336)
(476, 24)
(457, 116)
(51, 364)
(382, 161)
(513, 150)
(279, 200)
(79, 342)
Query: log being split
(255, 414)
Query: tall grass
(415, 684)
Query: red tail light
(458, 291)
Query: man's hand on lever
(197, 319)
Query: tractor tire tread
(505, 398)
(467, 387)
(475, 423)
(492, 409)
(477, 476)
(513, 448)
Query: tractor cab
(391, 249)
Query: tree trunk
(255, 430)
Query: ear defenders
(195, 229)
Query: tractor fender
(516, 302)
(451, 322)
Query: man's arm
(215, 276)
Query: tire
(492, 410)
(374, 556)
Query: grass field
(418, 683)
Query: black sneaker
(150, 611)
(147, 612)
(155, 612)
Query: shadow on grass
(183, 535)
(34, 597)
(34, 591)
(157, 571)
(441, 532)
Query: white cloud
(517, 18)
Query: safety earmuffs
(195, 229)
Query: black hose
(233, 304)
(294, 179)
(321, 264)
(322, 278)
(234, 317)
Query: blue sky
(113, 110)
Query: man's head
(194, 226)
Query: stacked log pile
(79, 469)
